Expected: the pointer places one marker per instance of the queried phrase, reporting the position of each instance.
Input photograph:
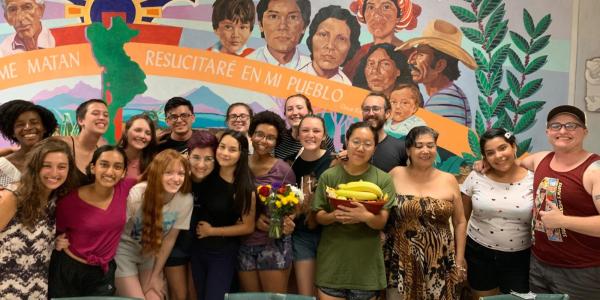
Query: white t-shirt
(176, 214)
(501, 214)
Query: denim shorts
(349, 294)
(275, 255)
(305, 244)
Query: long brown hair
(148, 152)
(31, 206)
(153, 201)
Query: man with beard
(434, 63)
(282, 24)
(389, 152)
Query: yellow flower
(295, 201)
(278, 204)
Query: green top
(350, 256)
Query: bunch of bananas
(357, 191)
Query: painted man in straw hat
(434, 63)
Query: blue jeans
(213, 271)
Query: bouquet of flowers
(281, 201)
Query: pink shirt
(94, 233)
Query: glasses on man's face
(259, 135)
(366, 145)
(174, 117)
(374, 109)
(241, 117)
(570, 126)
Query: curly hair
(149, 151)
(153, 199)
(31, 206)
(269, 118)
(12, 110)
(336, 12)
(360, 80)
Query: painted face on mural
(282, 25)
(381, 17)
(420, 61)
(404, 104)
(331, 43)
(381, 72)
(233, 35)
(25, 16)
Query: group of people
(79, 217)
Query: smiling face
(499, 154)
(29, 129)
(564, 140)
(264, 139)
(95, 119)
(361, 146)
(108, 169)
(373, 111)
(311, 133)
(233, 35)
(180, 119)
(381, 17)
(54, 171)
(228, 152)
(282, 26)
(238, 119)
(295, 110)
(424, 151)
(139, 134)
(173, 177)
(381, 72)
(331, 43)
(202, 161)
(404, 104)
(25, 16)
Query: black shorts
(71, 278)
(180, 254)
(489, 269)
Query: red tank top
(560, 247)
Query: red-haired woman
(157, 208)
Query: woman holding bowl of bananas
(420, 252)
(349, 255)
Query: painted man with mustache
(434, 63)
(282, 24)
(25, 16)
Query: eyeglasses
(174, 117)
(374, 108)
(241, 117)
(197, 159)
(568, 126)
(259, 135)
(366, 145)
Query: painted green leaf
(499, 102)
(504, 121)
(530, 105)
(480, 59)
(499, 57)
(528, 22)
(473, 35)
(536, 64)
(513, 83)
(463, 14)
(479, 124)
(487, 6)
(497, 35)
(495, 79)
(524, 146)
(484, 107)
(542, 26)
(474, 143)
(509, 103)
(525, 122)
(476, 2)
(482, 83)
(515, 61)
(495, 18)
(539, 44)
(451, 165)
(468, 158)
(519, 41)
(530, 88)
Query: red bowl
(372, 206)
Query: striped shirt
(451, 103)
(289, 147)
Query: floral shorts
(275, 255)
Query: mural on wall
(592, 80)
(478, 63)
